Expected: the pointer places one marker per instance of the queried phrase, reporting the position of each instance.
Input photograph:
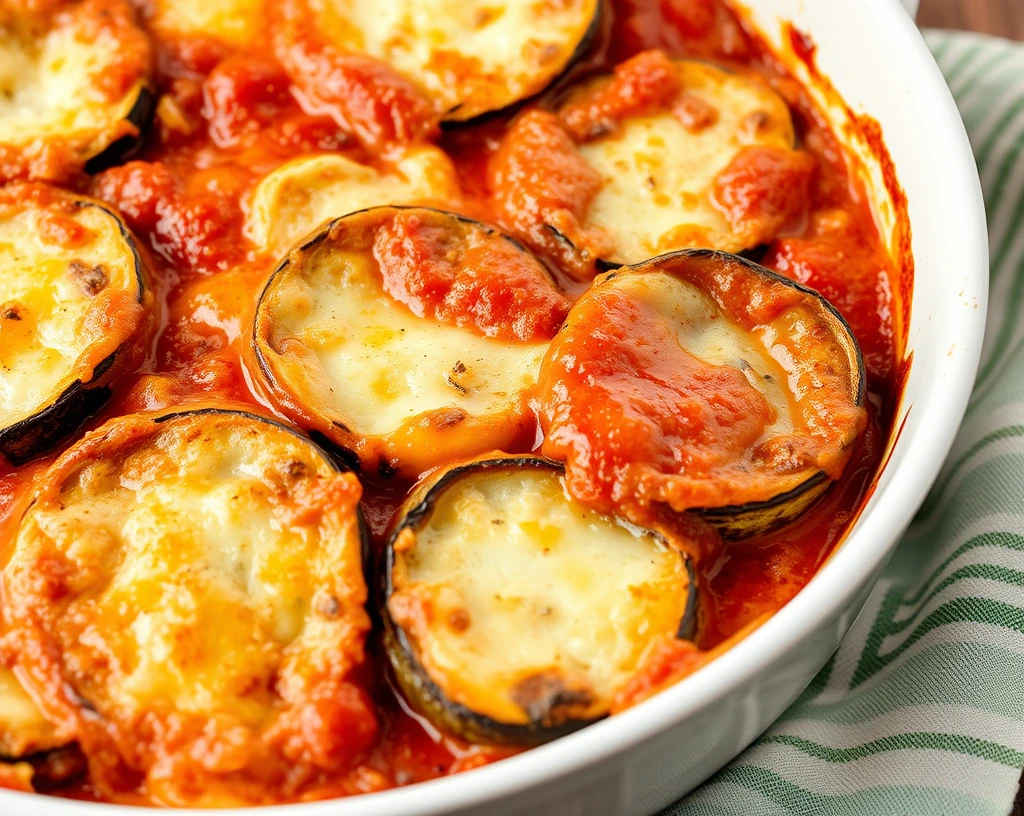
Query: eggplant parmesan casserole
(388, 387)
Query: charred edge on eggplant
(421, 690)
(122, 149)
(72, 408)
(54, 769)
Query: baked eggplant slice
(702, 381)
(73, 313)
(74, 89)
(659, 156)
(471, 57)
(301, 194)
(512, 613)
(196, 575)
(407, 336)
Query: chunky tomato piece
(487, 283)
(380, 106)
(644, 84)
(241, 95)
(542, 187)
(639, 419)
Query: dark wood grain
(1004, 18)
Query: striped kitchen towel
(921, 711)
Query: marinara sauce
(227, 118)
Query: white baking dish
(647, 757)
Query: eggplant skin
(68, 411)
(413, 680)
(545, 696)
(120, 150)
(50, 771)
(59, 420)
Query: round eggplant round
(199, 571)
(73, 314)
(304, 193)
(702, 381)
(408, 337)
(661, 155)
(76, 89)
(512, 613)
(471, 58)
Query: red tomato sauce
(226, 118)
(483, 282)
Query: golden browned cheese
(186, 592)
(525, 610)
(73, 82)
(72, 305)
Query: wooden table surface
(1004, 18)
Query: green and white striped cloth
(921, 711)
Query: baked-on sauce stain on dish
(351, 266)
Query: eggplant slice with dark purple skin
(75, 89)
(472, 58)
(217, 568)
(341, 357)
(73, 314)
(512, 613)
(660, 169)
(749, 459)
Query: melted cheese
(540, 585)
(63, 307)
(302, 194)
(381, 381)
(236, 22)
(658, 175)
(50, 86)
(471, 56)
(705, 332)
(216, 575)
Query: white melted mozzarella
(658, 175)
(547, 586)
(470, 55)
(381, 367)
